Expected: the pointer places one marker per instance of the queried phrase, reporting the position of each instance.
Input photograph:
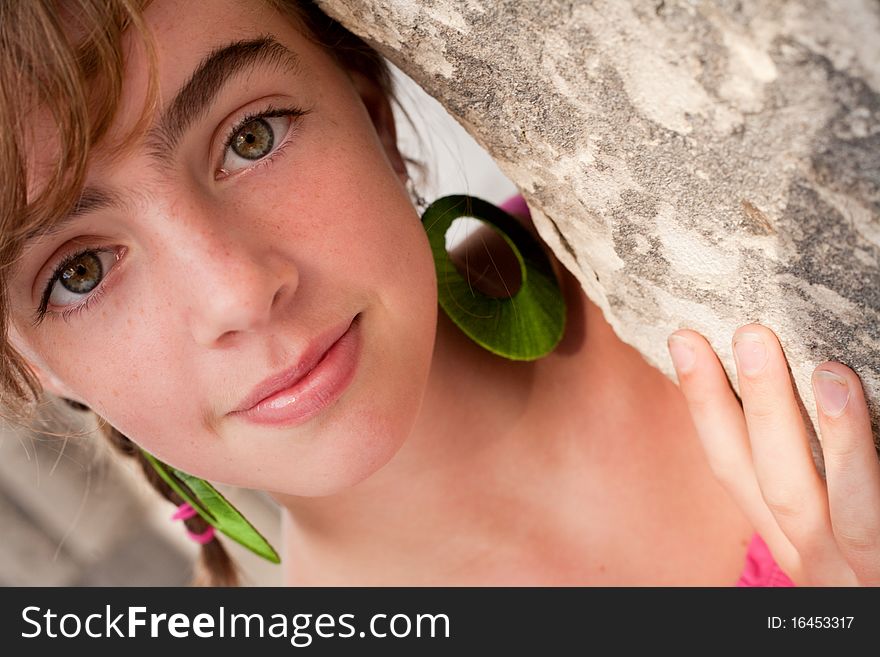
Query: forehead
(184, 32)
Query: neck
(467, 473)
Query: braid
(216, 567)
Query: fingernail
(750, 352)
(832, 391)
(682, 353)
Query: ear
(379, 108)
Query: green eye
(254, 140)
(258, 137)
(82, 274)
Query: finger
(784, 466)
(721, 427)
(852, 469)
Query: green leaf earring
(214, 509)
(525, 326)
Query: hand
(821, 533)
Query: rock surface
(694, 164)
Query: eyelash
(96, 295)
(271, 111)
(73, 309)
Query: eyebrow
(199, 92)
(190, 103)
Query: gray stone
(142, 559)
(694, 164)
(28, 555)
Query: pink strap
(761, 569)
(205, 537)
(186, 511)
(516, 205)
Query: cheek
(372, 233)
(124, 370)
(148, 395)
(338, 457)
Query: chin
(370, 434)
(355, 457)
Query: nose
(235, 283)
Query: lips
(285, 379)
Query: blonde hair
(65, 57)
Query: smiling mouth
(308, 394)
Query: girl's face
(224, 246)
